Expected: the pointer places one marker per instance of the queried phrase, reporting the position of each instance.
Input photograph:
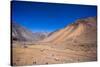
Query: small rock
(46, 63)
(34, 62)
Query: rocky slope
(82, 30)
(19, 33)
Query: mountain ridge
(20, 33)
(80, 27)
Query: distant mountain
(20, 33)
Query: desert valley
(77, 42)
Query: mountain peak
(81, 29)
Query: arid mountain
(19, 33)
(82, 30)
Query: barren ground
(40, 54)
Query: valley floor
(40, 54)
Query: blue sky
(38, 16)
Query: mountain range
(20, 33)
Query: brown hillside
(83, 30)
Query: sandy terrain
(40, 54)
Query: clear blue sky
(37, 16)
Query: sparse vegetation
(25, 46)
(46, 63)
(34, 62)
